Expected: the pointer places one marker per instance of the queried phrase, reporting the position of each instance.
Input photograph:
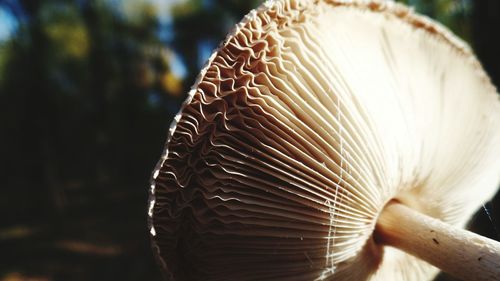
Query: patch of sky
(81, 3)
(8, 23)
(154, 98)
(177, 66)
(165, 30)
(207, 4)
(205, 48)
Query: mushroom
(330, 140)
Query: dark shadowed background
(87, 91)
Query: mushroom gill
(306, 121)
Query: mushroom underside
(309, 118)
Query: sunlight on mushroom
(306, 122)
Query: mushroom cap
(304, 123)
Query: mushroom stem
(459, 252)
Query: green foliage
(4, 56)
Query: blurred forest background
(88, 89)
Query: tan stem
(459, 252)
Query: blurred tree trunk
(486, 36)
(486, 43)
(43, 107)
